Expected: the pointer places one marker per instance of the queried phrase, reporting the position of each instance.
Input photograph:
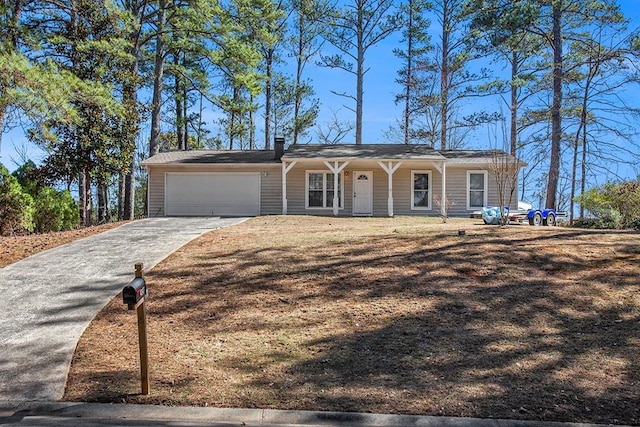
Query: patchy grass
(391, 315)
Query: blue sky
(380, 111)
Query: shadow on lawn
(506, 332)
(435, 364)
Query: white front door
(363, 193)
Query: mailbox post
(134, 295)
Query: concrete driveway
(47, 300)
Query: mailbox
(134, 291)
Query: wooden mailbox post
(134, 295)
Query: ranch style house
(340, 180)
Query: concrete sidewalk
(47, 300)
(97, 414)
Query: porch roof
(361, 152)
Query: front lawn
(387, 315)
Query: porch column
(390, 168)
(336, 168)
(285, 169)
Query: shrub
(55, 211)
(16, 206)
(28, 178)
(612, 205)
(596, 223)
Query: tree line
(552, 76)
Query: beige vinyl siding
(270, 185)
(271, 191)
(380, 192)
(457, 188)
(296, 182)
(155, 196)
(403, 190)
(456, 191)
(297, 188)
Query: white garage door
(212, 194)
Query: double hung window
(476, 189)
(321, 191)
(421, 190)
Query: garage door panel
(213, 194)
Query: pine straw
(388, 315)
(15, 248)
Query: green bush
(16, 206)
(27, 177)
(612, 205)
(596, 223)
(55, 211)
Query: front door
(363, 193)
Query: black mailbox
(134, 291)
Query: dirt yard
(15, 248)
(389, 315)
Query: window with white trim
(320, 190)
(421, 190)
(477, 183)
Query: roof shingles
(323, 152)
(363, 151)
(211, 156)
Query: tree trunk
(199, 135)
(298, 87)
(360, 76)
(514, 105)
(268, 99)
(444, 77)
(3, 114)
(158, 74)
(130, 191)
(556, 108)
(574, 171)
(13, 36)
(583, 171)
(127, 187)
(232, 119)
(409, 75)
(82, 200)
(252, 128)
(179, 109)
(185, 115)
(121, 193)
(103, 203)
(582, 129)
(84, 197)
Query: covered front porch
(364, 187)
